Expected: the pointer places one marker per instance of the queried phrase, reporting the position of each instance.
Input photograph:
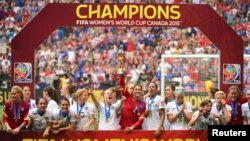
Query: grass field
(1, 113)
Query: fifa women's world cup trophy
(120, 70)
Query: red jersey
(15, 117)
(132, 110)
(236, 118)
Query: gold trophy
(120, 70)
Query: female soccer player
(133, 109)
(108, 110)
(245, 108)
(49, 93)
(155, 111)
(179, 112)
(67, 91)
(40, 118)
(170, 96)
(82, 110)
(202, 117)
(63, 119)
(15, 112)
(26, 97)
(221, 110)
(235, 100)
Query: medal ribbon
(177, 107)
(138, 106)
(107, 112)
(150, 102)
(234, 108)
(61, 116)
(79, 111)
(17, 114)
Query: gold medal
(179, 119)
(149, 114)
(106, 120)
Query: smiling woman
(15, 112)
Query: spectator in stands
(15, 112)
(40, 118)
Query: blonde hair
(220, 93)
(79, 92)
(234, 87)
(19, 90)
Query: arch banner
(54, 15)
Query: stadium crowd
(86, 56)
(76, 59)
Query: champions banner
(128, 15)
(107, 136)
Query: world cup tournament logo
(23, 72)
(231, 74)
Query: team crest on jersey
(46, 118)
(86, 108)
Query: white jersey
(213, 100)
(85, 112)
(69, 118)
(151, 122)
(220, 111)
(203, 122)
(246, 111)
(52, 105)
(40, 122)
(166, 124)
(179, 123)
(71, 101)
(109, 119)
(32, 103)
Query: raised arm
(227, 113)
(97, 104)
